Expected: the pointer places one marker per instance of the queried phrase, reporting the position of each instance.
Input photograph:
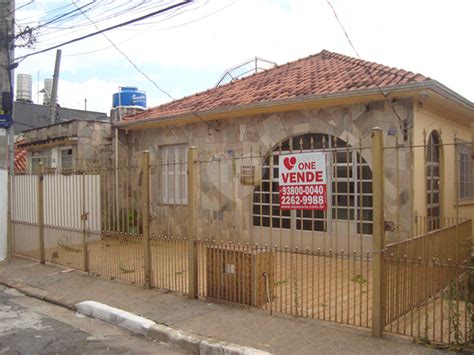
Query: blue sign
(6, 120)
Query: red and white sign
(302, 179)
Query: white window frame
(60, 157)
(174, 167)
(42, 156)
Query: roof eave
(259, 107)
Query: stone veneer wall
(94, 141)
(220, 210)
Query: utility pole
(54, 89)
(7, 13)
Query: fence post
(84, 217)
(9, 216)
(378, 239)
(146, 216)
(192, 248)
(40, 211)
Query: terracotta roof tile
(20, 158)
(322, 73)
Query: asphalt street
(31, 326)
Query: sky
(189, 51)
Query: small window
(44, 157)
(66, 159)
(465, 173)
(174, 182)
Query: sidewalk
(278, 334)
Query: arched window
(349, 187)
(433, 181)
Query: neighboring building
(74, 144)
(28, 116)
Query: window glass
(174, 181)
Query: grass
(359, 279)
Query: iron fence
(212, 225)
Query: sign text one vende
(302, 180)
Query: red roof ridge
(321, 73)
(367, 64)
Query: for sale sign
(302, 179)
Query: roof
(20, 158)
(28, 116)
(66, 122)
(322, 73)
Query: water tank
(23, 87)
(129, 96)
(48, 84)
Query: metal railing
(211, 226)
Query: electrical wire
(127, 57)
(368, 72)
(142, 72)
(154, 30)
(140, 18)
(19, 8)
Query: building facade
(326, 102)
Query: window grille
(43, 156)
(349, 187)
(174, 174)
(66, 159)
(433, 181)
(465, 171)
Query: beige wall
(259, 134)
(427, 121)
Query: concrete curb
(140, 325)
(179, 338)
(39, 294)
(199, 344)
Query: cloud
(72, 94)
(190, 51)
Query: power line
(152, 30)
(141, 71)
(126, 56)
(368, 72)
(154, 13)
(19, 7)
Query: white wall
(3, 213)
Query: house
(68, 145)
(28, 116)
(326, 101)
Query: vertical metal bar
(349, 219)
(270, 177)
(260, 229)
(84, 218)
(378, 238)
(146, 216)
(397, 152)
(336, 195)
(456, 197)
(192, 252)
(40, 211)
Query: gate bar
(192, 247)
(378, 238)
